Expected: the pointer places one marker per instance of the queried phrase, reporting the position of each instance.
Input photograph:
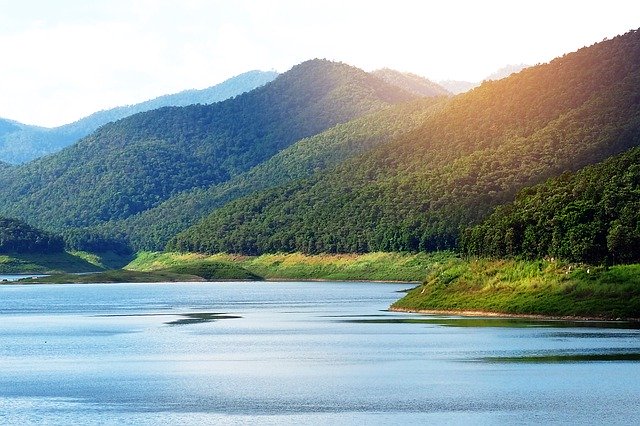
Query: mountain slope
(412, 83)
(21, 143)
(134, 164)
(417, 192)
(152, 229)
(18, 237)
(588, 216)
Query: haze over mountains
(20, 143)
(457, 86)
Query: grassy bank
(519, 287)
(296, 266)
(65, 262)
(114, 276)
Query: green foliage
(528, 288)
(18, 237)
(21, 143)
(37, 263)
(589, 216)
(136, 163)
(419, 191)
(153, 228)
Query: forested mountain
(589, 216)
(20, 143)
(18, 237)
(153, 228)
(419, 191)
(136, 163)
(412, 83)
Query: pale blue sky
(64, 59)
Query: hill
(419, 191)
(20, 143)
(18, 237)
(153, 228)
(588, 216)
(136, 163)
(412, 83)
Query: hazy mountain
(135, 163)
(20, 143)
(506, 71)
(419, 191)
(412, 83)
(456, 86)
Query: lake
(298, 353)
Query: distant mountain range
(456, 86)
(20, 143)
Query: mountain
(588, 216)
(506, 71)
(456, 86)
(134, 164)
(153, 228)
(412, 83)
(20, 143)
(420, 190)
(18, 237)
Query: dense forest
(18, 237)
(22, 143)
(419, 191)
(136, 163)
(153, 228)
(589, 216)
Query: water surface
(299, 353)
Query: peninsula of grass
(296, 266)
(73, 262)
(519, 287)
(113, 276)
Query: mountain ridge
(135, 163)
(22, 142)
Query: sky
(64, 59)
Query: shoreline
(476, 313)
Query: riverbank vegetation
(528, 287)
(297, 266)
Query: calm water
(301, 353)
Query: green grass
(47, 263)
(297, 266)
(115, 276)
(528, 287)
